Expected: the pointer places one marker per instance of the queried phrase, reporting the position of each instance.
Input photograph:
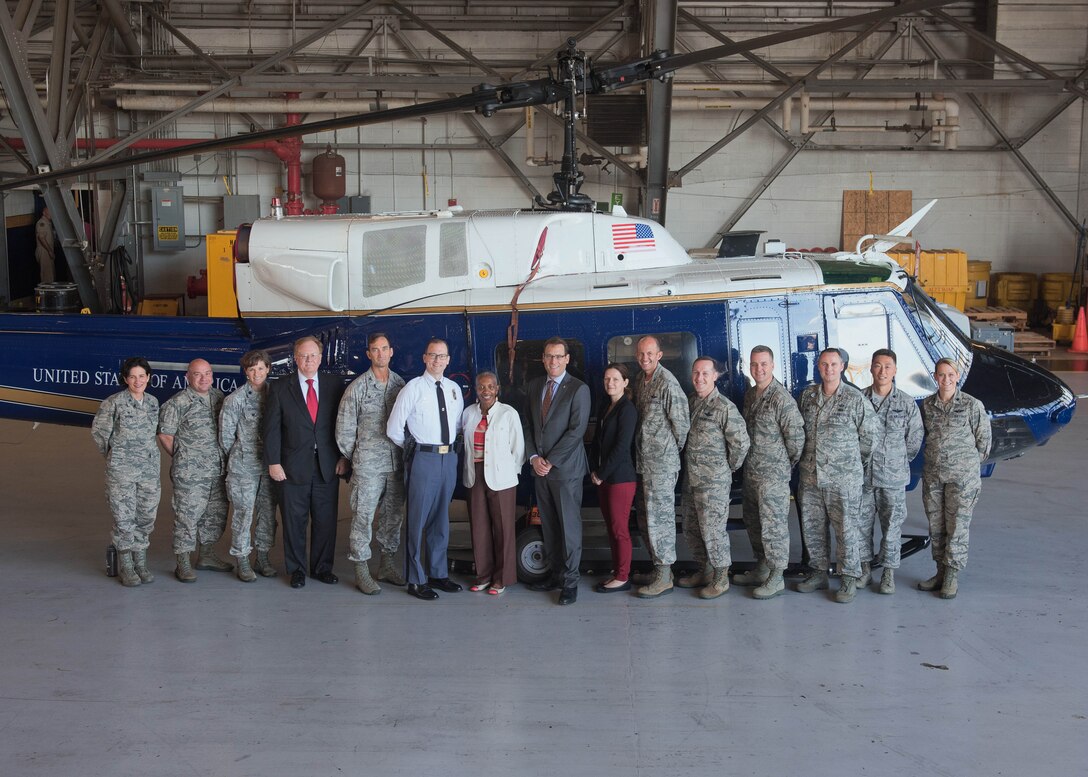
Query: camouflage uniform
(124, 431)
(897, 438)
(716, 447)
(777, 432)
(663, 424)
(200, 497)
(377, 481)
(838, 444)
(248, 484)
(957, 441)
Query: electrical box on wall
(240, 209)
(167, 218)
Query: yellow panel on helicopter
(222, 299)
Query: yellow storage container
(222, 298)
(1054, 289)
(978, 283)
(1013, 289)
(941, 273)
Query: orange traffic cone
(1080, 335)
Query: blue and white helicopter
(497, 284)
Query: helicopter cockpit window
(394, 259)
(453, 251)
(529, 364)
(914, 370)
(679, 350)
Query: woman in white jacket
(494, 453)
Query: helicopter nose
(1027, 403)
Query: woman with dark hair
(124, 431)
(248, 484)
(614, 472)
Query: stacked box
(875, 212)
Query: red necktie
(311, 399)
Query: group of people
(287, 443)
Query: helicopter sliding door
(790, 325)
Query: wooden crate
(1015, 316)
(874, 211)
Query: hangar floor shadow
(221, 678)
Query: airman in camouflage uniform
(716, 446)
(958, 439)
(124, 431)
(189, 431)
(838, 445)
(377, 481)
(896, 441)
(248, 484)
(777, 432)
(663, 423)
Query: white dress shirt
(417, 407)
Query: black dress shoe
(298, 579)
(544, 585)
(328, 578)
(423, 592)
(568, 596)
(444, 584)
(601, 588)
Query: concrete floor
(221, 678)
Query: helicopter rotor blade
(487, 98)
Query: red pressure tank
(329, 179)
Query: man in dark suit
(554, 441)
(302, 456)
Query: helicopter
(496, 284)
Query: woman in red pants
(614, 473)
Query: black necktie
(442, 412)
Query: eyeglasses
(308, 357)
(551, 357)
(438, 356)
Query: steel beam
(1005, 51)
(59, 66)
(722, 38)
(790, 155)
(226, 86)
(1055, 112)
(550, 56)
(450, 42)
(774, 103)
(989, 120)
(26, 110)
(88, 69)
(659, 33)
(356, 50)
(124, 29)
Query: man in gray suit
(554, 441)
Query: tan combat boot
(139, 563)
(659, 585)
(263, 567)
(887, 581)
(866, 574)
(773, 586)
(696, 579)
(950, 585)
(934, 582)
(757, 576)
(718, 585)
(184, 571)
(206, 559)
(847, 590)
(129, 578)
(363, 581)
(388, 572)
(245, 571)
(814, 581)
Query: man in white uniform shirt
(428, 409)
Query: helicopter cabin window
(453, 251)
(679, 351)
(394, 259)
(914, 368)
(859, 328)
(529, 364)
(761, 331)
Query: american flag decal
(633, 237)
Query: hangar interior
(981, 104)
